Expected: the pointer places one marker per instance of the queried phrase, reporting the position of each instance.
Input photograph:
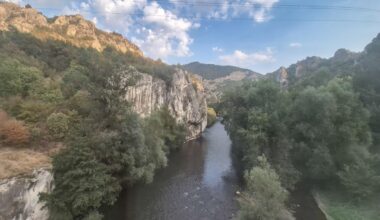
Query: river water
(199, 183)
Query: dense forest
(321, 130)
(53, 94)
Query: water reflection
(199, 183)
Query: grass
(14, 162)
(338, 206)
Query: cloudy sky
(258, 34)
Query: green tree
(82, 184)
(58, 124)
(264, 198)
(17, 79)
(256, 115)
(74, 79)
(329, 125)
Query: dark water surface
(198, 183)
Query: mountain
(73, 29)
(217, 78)
(341, 63)
(212, 71)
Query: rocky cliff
(19, 196)
(74, 29)
(183, 96)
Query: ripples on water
(199, 183)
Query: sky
(261, 35)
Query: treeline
(321, 131)
(54, 94)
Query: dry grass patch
(15, 162)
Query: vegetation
(264, 197)
(339, 206)
(322, 130)
(12, 132)
(211, 116)
(58, 124)
(56, 94)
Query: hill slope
(69, 29)
(212, 71)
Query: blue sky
(258, 34)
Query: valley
(93, 127)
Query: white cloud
(295, 45)
(240, 58)
(217, 49)
(157, 31)
(257, 10)
(14, 1)
(117, 15)
(165, 33)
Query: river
(199, 183)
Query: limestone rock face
(19, 196)
(183, 96)
(73, 29)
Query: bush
(31, 111)
(12, 132)
(360, 180)
(265, 197)
(58, 124)
(81, 102)
(211, 116)
(17, 79)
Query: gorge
(91, 128)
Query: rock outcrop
(19, 198)
(73, 29)
(183, 96)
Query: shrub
(17, 79)
(32, 111)
(211, 116)
(14, 132)
(264, 198)
(81, 102)
(58, 124)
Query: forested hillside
(211, 71)
(320, 129)
(52, 96)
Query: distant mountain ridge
(212, 71)
(217, 78)
(341, 63)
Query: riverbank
(304, 205)
(338, 206)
